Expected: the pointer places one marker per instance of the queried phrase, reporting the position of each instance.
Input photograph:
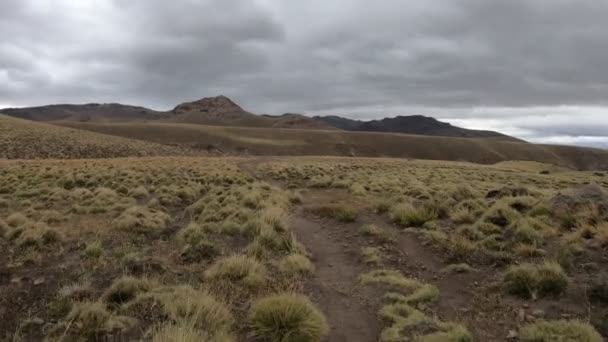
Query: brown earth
(299, 142)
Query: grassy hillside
(412, 124)
(94, 112)
(23, 139)
(274, 141)
(305, 249)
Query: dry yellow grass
(22, 139)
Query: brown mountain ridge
(222, 111)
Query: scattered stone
(526, 305)
(37, 321)
(538, 313)
(16, 280)
(39, 281)
(521, 315)
(512, 335)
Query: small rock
(37, 321)
(530, 318)
(38, 281)
(565, 315)
(16, 280)
(521, 315)
(538, 313)
(512, 335)
(526, 305)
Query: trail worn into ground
(350, 308)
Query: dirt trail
(350, 308)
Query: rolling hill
(414, 124)
(296, 142)
(217, 111)
(92, 112)
(23, 139)
(222, 111)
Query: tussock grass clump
(126, 289)
(373, 230)
(402, 314)
(560, 330)
(338, 212)
(238, 268)
(187, 332)
(139, 192)
(296, 264)
(197, 244)
(143, 220)
(371, 255)
(92, 319)
(531, 281)
(93, 249)
(287, 317)
(409, 215)
(458, 268)
(528, 230)
(16, 219)
(77, 291)
(185, 304)
(36, 235)
(501, 215)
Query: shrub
(238, 268)
(373, 231)
(93, 249)
(37, 235)
(371, 255)
(340, 213)
(76, 291)
(187, 332)
(530, 281)
(92, 319)
(460, 248)
(296, 264)
(142, 220)
(287, 317)
(501, 215)
(139, 192)
(16, 220)
(526, 231)
(560, 330)
(125, 289)
(185, 304)
(408, 215)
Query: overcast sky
(537, 69)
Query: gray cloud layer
(535, 68)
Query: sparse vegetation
(239, 268)
(530, 280)
(287, 317)
(562, 330)
(179, 248)
(296, 264)
(409, 215)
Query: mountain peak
(214, 104)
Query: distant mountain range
(222, 111)
(413, 124)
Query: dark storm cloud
(534, 67)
